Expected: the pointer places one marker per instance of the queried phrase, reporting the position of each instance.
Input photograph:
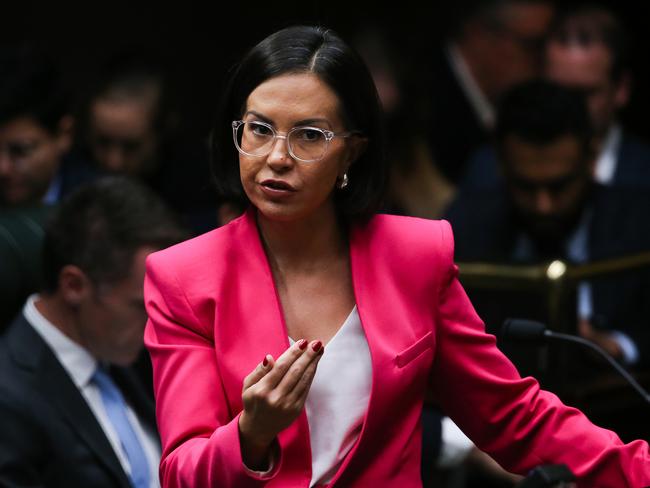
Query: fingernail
(302, 344)
(265, 362)
(316, 347)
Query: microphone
(536, 332)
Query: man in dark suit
(72, 413)
(551, 208)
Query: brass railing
(607, 397)
(555, 278)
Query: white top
(338, 398)
(608, 157)
(80, 366)
(455, 445)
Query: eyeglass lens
(305, 143)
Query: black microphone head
(523, 330)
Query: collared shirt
(80, 366)
(484, 110)
(53, 194)
(608, 157)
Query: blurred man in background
(495, 45)
(587, 51)
(130, 125)
(72, 413)
(36, 130)
(551, 208)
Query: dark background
(200, 41)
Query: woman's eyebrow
(259, 116)
(309, 121)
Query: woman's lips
(277, 188)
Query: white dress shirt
(484, 110)
(80, 366)
(608, 157)
(338, 398)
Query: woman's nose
(279, 156)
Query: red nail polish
(265, 362)
(302, 344)
(316, 347)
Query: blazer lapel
(389, 328)
(57, 387)
(249, 323)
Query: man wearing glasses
(35, 130)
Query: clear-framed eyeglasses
(306, 144)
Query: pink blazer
(214, 313)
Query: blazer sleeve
(510, 417)
(199, 433)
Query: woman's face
(281, 187)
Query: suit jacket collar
(30, 352)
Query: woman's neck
(304, 244)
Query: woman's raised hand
(273, 395)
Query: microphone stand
(531, 331)
(595, 347)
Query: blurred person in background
(450, 92)
(492, 46)
(36, 131)
(551, 208)
(416, 186)
(130, 125)
(587, 50)
(72, 412)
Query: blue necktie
(115, 407)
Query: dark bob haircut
(304, 49)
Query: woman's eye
(309, 135)
(259, 129)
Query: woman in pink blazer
(293, 346)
